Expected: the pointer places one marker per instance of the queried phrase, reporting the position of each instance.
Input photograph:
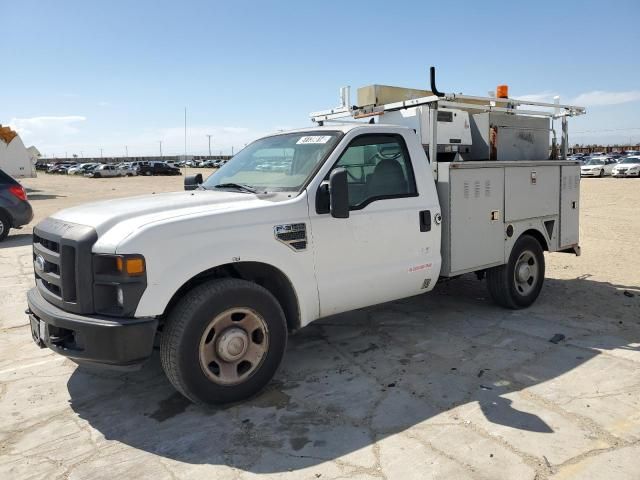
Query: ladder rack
(453, 100)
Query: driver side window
(378, 167)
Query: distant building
(15, 159)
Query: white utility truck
(304, 224)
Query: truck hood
(141, 210)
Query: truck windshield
(277, 163)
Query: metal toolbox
(502, 136)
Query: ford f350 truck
(304, 224)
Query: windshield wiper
(237, 186)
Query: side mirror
(191, 182)
(339, 193)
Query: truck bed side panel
(479, 200)
(569, 206)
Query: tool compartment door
(476, 218)
(569, 206)
(531, 192)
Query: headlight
(118, 283)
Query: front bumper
(90, 338)
(590, 173)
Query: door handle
(425, 221)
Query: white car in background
(597, 167)
(628, 167)
(104, 171)
(81, 169)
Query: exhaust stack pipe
(432, 74)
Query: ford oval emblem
(39, 263)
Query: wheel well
(538, 236)
(263, 274)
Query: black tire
(191, 319)
(97, 175)
(503, 284)
(601, 173)
(5, 225)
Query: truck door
(389, 247)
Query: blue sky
(78, 76)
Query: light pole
(101, 153)
(126, 151)
(209, 137)
(160, 148)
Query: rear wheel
(518, 283)
(223, 341)
(5, 226)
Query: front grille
(49, 269)
(62, 264)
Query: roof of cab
(342, 127)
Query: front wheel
(5, 226)
(223, 341)
(601, 173)
(518, 283)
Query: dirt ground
(445, 385)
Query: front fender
(175, 255)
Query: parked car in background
(42, 166)
(627, 167)
(136, 164)
(158, 168)
(61, 167)
(15, 209)
(103, 171)
(82, 168)
(597, 167)
(632, 153)
(129, 169)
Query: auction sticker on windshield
(314, 139)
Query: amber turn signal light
(132, 266)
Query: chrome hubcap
(233, 346)
(526, 272)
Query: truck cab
(297, 226)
